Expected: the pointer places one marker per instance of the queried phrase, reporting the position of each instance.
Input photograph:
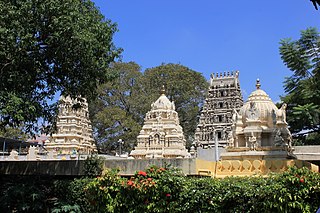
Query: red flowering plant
(156, 188)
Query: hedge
(165, 190)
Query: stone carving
(13, 155)
(252, 142)
(218, 108)
(74, 130)
(278, 139)
(283, 138)
(281, 114)
(253, 112)
(230, 139)
(32, 153)
(161, 135)
(254, 129)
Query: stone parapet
(128, 167)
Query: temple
(224, 97)
(260, 130)
(161, 135)
(74, 131)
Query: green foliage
(164, 190)
(117, 113)
(23, 195)
(67, 208)
(153, 190)
(71, 196)
(14, 133)
(296, 190)
(167, 190)
(302, 57)
(315, 3)
(48, 47)
(93, 165)
(123, 102)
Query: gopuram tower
(223, 99)
(161, 135)
(74, 131)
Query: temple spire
(163, 90)
(258, 85)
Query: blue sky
(212, 36)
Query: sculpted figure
(278, 139)
(235, 115)
(216, 119)
(173, 107)
(252, 142)
(253, 113)
(230, 139)
(281, 113)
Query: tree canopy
(50, 47)
(302, 57)
(120, 108)
(315, 3)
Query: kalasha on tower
(223, 98)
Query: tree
(118, 111)
(302, 57)
(315, 3)
(50, 47)
(123, 102)
(14, 133)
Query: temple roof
(259, 94)
(260, 102)
(162, 102)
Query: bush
(93, 165)
(164, 190)
(168, 190)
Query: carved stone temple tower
(74, 131)
(223, 99)
(161, 135)
(260, 129)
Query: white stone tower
(74, 131)
(161, 135)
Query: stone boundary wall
(75, 167)
(308, 153)
(128, 167)
(58, 168)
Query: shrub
(93, 165)
(168, 190)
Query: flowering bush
(168, 190)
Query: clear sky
(212, 36)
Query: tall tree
(48, 47)
(117, 113)
(122, 104)
(315, 3)
(302, 57)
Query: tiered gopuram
(223, 99)
(161, 135)
(74, 131)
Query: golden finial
(163, 90)
(258, 85)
